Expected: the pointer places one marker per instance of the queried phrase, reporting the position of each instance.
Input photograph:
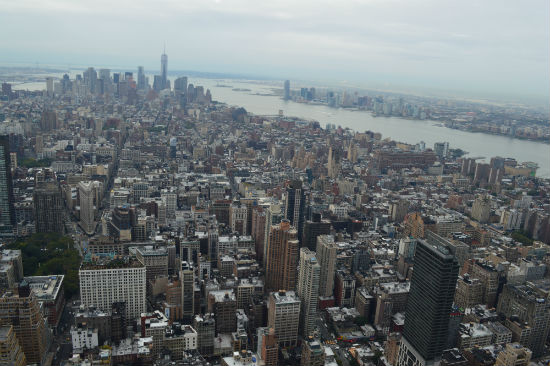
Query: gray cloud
(490, 46)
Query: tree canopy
(50, 254)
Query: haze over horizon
(497, 49)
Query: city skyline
(477, 49)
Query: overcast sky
(494, 47)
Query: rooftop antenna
(165, 47)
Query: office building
(223, 304)
(87, 211)
(49, 292)
(282, 257)
(429, 305)
(205, 325)
(141, 78)
(187, 279)
(180, 85)
(48, 208)
(308, 290)
(21, 309)
(528, 306)
(164, 70)
(326, 255)
(283, 315)
(107, 280)
(238, 218)
(11, 268)
(344, 289)
(514, 354)
(268, 348)
(313, 353)
(155, 261)
(287, 90)
(7, 210)
(312, 230)
(481, 209)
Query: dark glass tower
(295, 203)
(7, 211)
(429, 305)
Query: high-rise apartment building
(105, 281)
(22, 310)
(273, 216)
(326, 255)
(282, 257)
(7, 211)
(48, 208)
(429, 305)
(86, 198)
(532, 309)
(283, 315)
(308, 290)
(11, 352)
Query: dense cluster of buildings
(515, 121)
(209, 235)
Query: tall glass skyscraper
(164, 69)
(429, 305)
(7, 211)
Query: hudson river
(399, 129)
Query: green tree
(51, 254)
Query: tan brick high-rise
(282, 257)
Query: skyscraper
(141, 78)
(48, 208)
(326, 254)
(282, 257)
(273, 216)
(187, 279)
(294, 205)
(7, 211)
(287, 89)
(283, 315)
(308, 290)
(86, 196)
(164, 69)
(429, 305)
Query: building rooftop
(285, 297)
(45, 288)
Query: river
(399, 129)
